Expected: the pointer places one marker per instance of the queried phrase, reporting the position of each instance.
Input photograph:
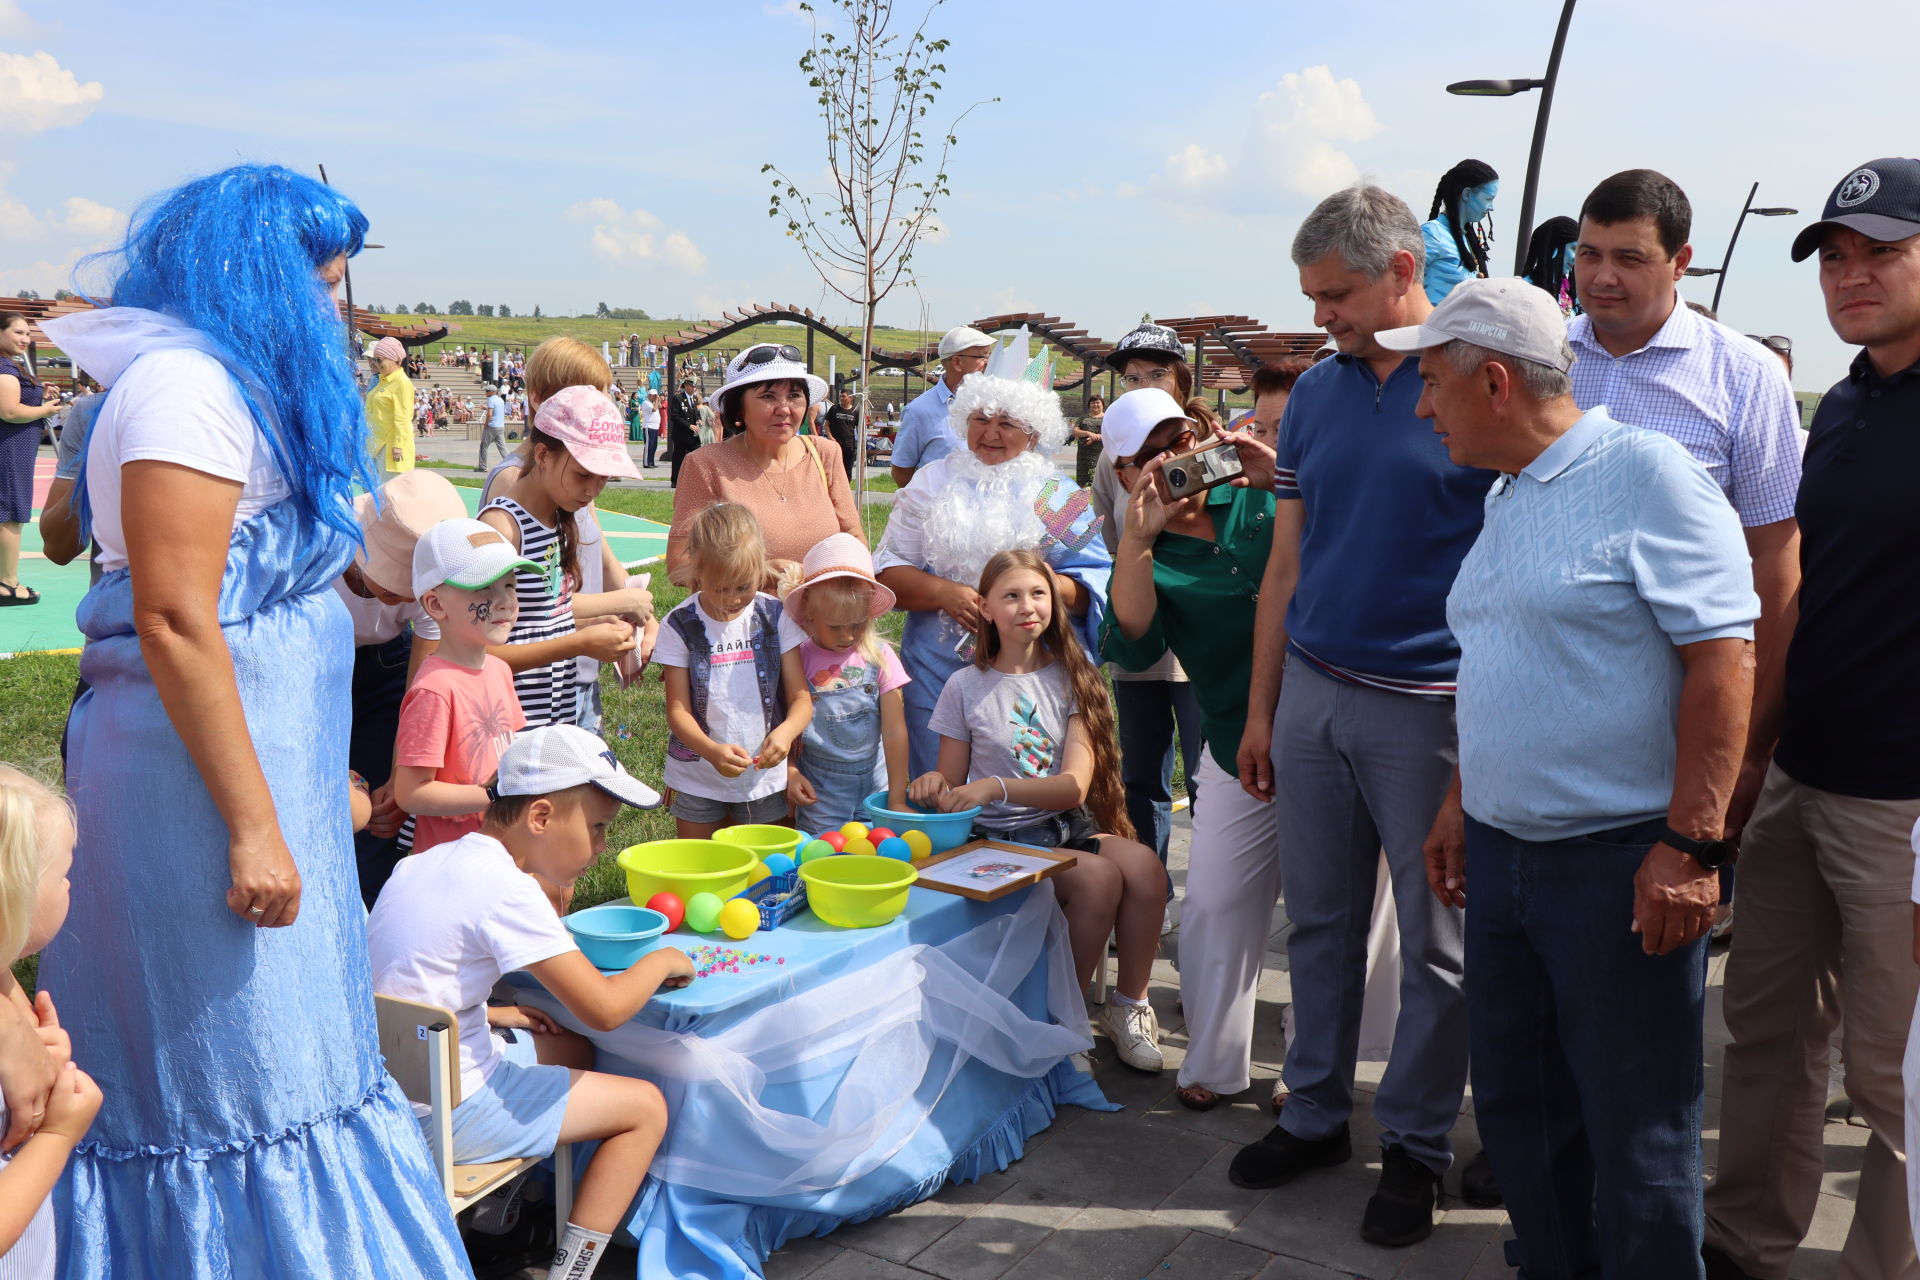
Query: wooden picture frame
(1033, 864)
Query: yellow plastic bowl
(686, 867)
(763, 839)
(856, 890)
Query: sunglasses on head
(1774, 342)
(770, 352)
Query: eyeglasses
(1774, 342)
(1181, 439)
(770, 352)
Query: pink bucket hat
(839, 556)
(389, 349)
(585, 421)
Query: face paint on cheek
(482, 610)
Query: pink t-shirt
(828, 672)
(456, 721)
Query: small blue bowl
(944, 831)
(616, 934)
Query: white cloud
(91, 220)
(14, 22)
(1295, 145)
(16, 220)
(633, 235)
(37, 93)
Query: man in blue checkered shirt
(1653, 363)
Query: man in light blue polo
(1605, 618)
(923, 436)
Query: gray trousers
(1357, 770)
(495, 436)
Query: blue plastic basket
(763, 894)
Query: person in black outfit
(683, 425)
(843, 420)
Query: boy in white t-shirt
(456, 917)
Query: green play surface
(48, 626)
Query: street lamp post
(1506, 89)
(1765, 211)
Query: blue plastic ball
(895, 847)
(779, 864)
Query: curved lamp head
(1774, 211)
(1703, 271)
(1492, 88)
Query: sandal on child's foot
(1195, 1098)
(12, 593)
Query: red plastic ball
(877, 834)
(670, 906)
(838, 841)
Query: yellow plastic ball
(739, 918)
(860, 846)
(854, 831)
(918, 842)
(759, 873)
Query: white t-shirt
(448, 924)
(593, 579)
(377, 623)
(178, 406)
(733, 702)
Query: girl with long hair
(1550, 261)
(1027, 736)
(1459, 227)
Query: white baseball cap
(1509, 315)
(1132, 418)
(555, 757)
(469, 554)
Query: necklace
(767, 474)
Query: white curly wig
(1020, 400)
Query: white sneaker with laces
(1135, 1033)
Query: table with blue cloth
(862, 1075)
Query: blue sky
(1141, 157)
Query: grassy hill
(526, 332)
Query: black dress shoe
(1280, 1157)
(1401, 1210)
(1478, 1186)
(1720, 1266)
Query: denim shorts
(1073, 829)
(766, 809)
(517, 1112)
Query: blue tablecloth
(866, 1072)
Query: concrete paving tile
(1282, 1268)
(1460, 1237)
(853, 1265)
(996, 1236)
(1238, 1120)
(1317, 1217)
(800, 1259)
(1202, 1257)
(1101, 1244)
(905, 1232)
(1120, 1160)
(1207, 1201)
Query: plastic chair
(421, 1044)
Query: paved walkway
(1142, 1193)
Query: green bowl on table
(763, 838)
(686, 867)
(857, 890)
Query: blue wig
(237, 255)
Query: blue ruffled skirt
(249, 1127)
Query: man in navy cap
(1832, 782)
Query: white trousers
(1226, 917)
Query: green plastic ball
(703, 912)
(816, 849)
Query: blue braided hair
(236, 255)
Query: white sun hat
(768, 362)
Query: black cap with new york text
(1880, 200)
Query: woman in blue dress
(214, 974)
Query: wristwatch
(1711, 854)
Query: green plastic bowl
(857, 890)
(763, 838)
(686, 867)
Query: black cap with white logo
(1880, 200)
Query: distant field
(526, 331)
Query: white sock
(1121, 998)
(579, 1253)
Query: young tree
(874, 83)
(536, 311)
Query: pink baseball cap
(585, 421)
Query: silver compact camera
(1185, 474)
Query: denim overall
(840, 753)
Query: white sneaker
(1166, 921)
(1082, 1062)
(1135, 1033)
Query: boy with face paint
(461, 711)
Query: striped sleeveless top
(546, 610)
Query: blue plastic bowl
(944, 831)
(615, 934)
